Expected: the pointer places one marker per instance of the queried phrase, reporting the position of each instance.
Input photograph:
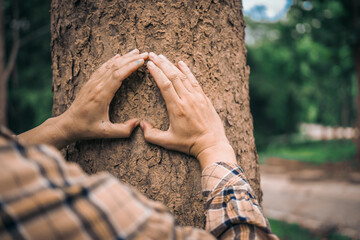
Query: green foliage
(29, 89)
(287, 231)
(302, 69)
(317, 152)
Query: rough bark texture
(208, 35)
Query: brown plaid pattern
(231, 208)
(44, 197)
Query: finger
(171, 72)
(121, 61)
(195, 86)
(122, 130)
(103, 70)
(114, 82)
(133, 52)
(114, 63)
(166, 87)
(126, 70)
(109, 62)
(155, 136)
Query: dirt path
(321, 205)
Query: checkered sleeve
(231, 208)
(44, 197)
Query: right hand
(195, 127)
(88, 116)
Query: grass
(317, 152)
(290, 231)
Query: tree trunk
(208, 35)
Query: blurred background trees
(29, 98)
(302, 68)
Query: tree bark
(208, 35)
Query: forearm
(52, 132)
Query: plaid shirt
(44, 197)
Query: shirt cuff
(217, 174)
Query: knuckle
(97, 90)
(173, 76)
(167, 85)
(147, 134)
(108, 65)
(116, 65)
(183, 78)
(96, 95)
(117, 74)
(180, 111)
(195, 84)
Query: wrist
(53, 132)
(62, 129)
(221, 152)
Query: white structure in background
(320, 132)
(264, 11)
(273, 10)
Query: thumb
(154, 135)
(123, 130)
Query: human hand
(88, 116)
(195, 127)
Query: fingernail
(142, 124)
(150, 64)
(145, 54)
(134, 51)
(182, 64)
(152, 55)
(137, 122)
(139, 61)
(117, 55)
(163, 57)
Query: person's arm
(232, 211)
(88, 116)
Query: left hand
(88, 116)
